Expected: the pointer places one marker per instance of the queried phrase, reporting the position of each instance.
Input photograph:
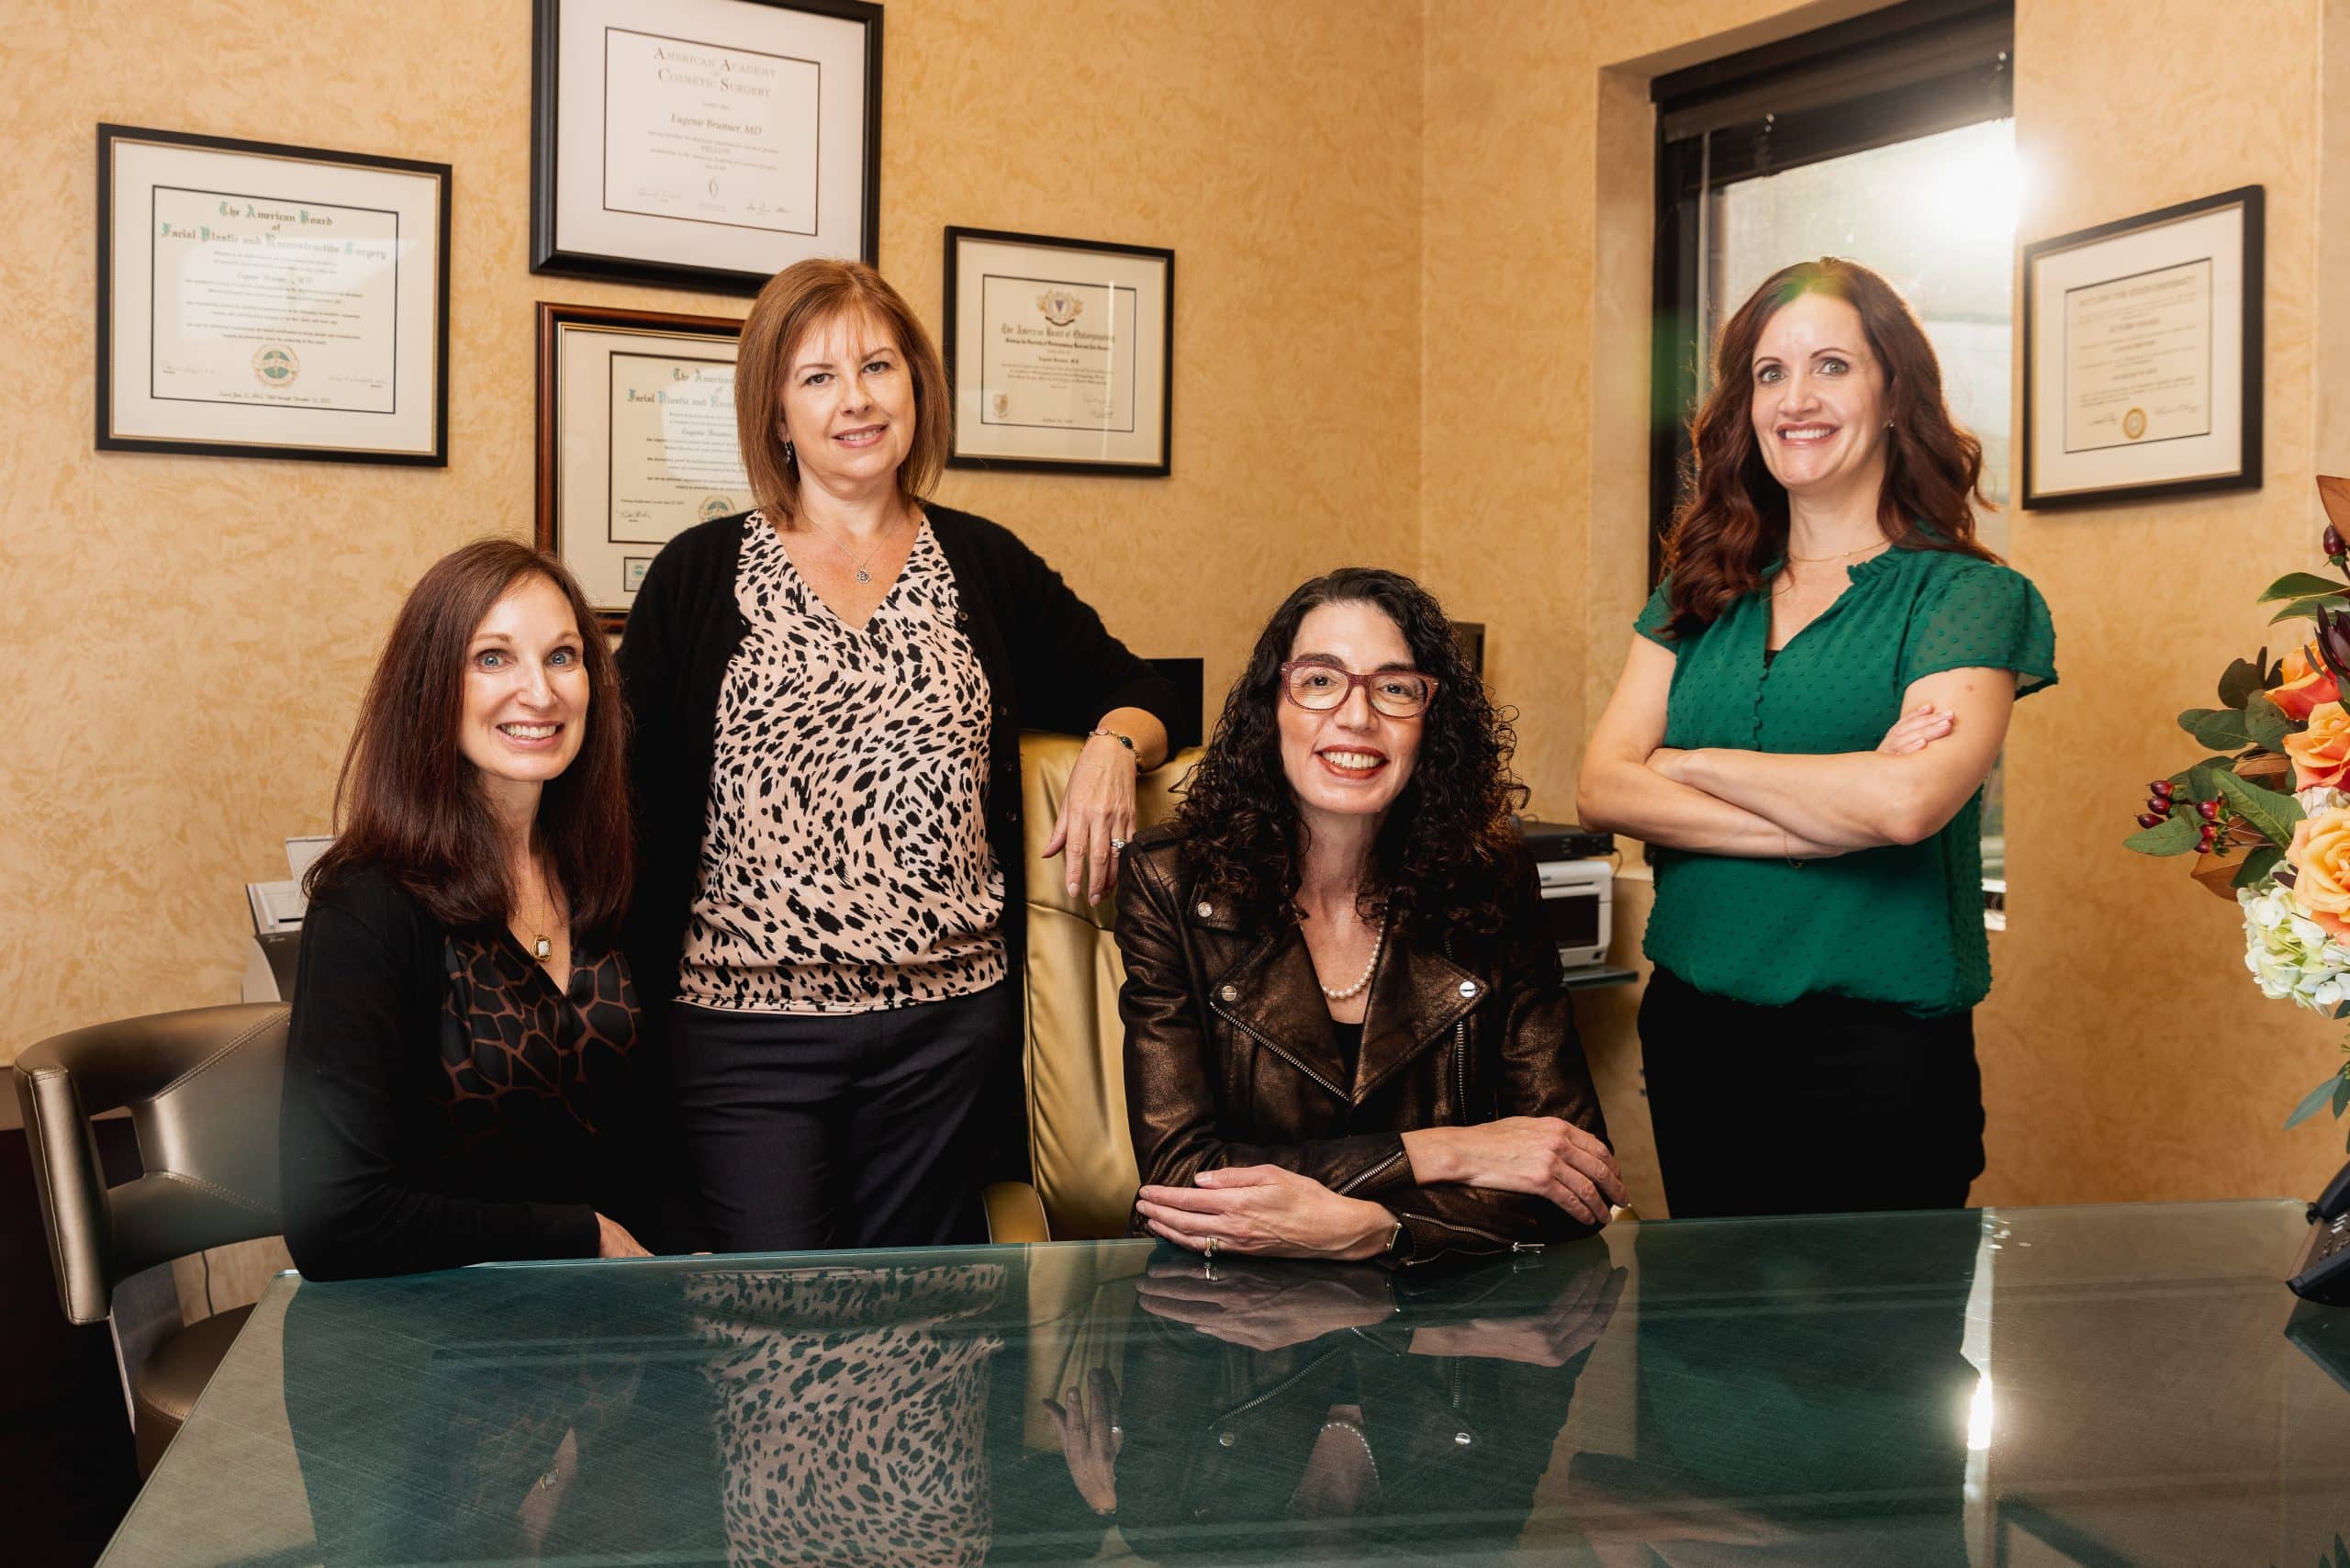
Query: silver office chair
(201, 1088)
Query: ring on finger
(1117, 846)
(1211, 1249)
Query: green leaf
(2341, 1097)
(2307, 609)
(2241, 679)
(2265, 722)
(2313, 1101)
(2221, 729)
(2270, 814)
(2256, 865)
(2174, 836)
(2301, 585)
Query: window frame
(1908, 71)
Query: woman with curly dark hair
(1344, 1032)
(1817, 692)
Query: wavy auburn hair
(1448, 852)
(1733, 517)
(410, 804)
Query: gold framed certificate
(636, 440)
(2142, 356)
(1060, 352)
(703, 144)
(260, 300)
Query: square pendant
(543, 948)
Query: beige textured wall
(182, 639)
(2126, 1056)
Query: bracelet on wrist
(1125, 741)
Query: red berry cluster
(2160, 803)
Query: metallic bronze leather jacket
(1231, 1058)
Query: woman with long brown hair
(460, 1076)
(1818, 689)
(1345, 1035)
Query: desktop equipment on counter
(277, 909)
(1576, 869)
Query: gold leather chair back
(1081, 1153)
(201, 1088)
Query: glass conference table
(2092, 1385)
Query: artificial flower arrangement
(2267, 814)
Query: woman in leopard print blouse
(459, 1083)
(828, 690)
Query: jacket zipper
(1371, 1172)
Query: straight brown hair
(798, 300)
(1733, 518)
(409, 802)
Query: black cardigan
(1050, 665)
(378, 1176)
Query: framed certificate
(1060, 352)
(263, 301)
(636, 440)
(2142, 356)
(703, 144)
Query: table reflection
(1314, 1405)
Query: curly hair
(1732, 522)
(1446, 854)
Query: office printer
(1576, 869)
(277, 909)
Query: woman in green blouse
(1819, 688)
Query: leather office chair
(1081, 1154)
(201, 1088)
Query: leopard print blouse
(845, 863)
(852, 1411)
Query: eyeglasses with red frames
(1318, 687)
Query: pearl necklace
(1356, 990)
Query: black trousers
(854, 1130)
(1826, 1105)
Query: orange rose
(2320, 754)
(2307, 683)
(2319, 855)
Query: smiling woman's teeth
(1806, 433)
(528, 732)
(1355, 759)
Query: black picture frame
(547, 257)
(108, 433)
(1152, 467)
(2246, 473)
(550, 533)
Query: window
(1888, 140)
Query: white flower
(2291, 955)
(2321, 799)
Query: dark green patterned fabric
(1901, 924)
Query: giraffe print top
(845, 866)
(508, 1038)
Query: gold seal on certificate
(2142, 355)
(269, 301)
(636, 439)
(1058, 352)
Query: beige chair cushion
(1083, 1156)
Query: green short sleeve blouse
(1902, 923)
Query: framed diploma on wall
(703, 144)
(636, 440)
(2142, 356)
(256, 301)
(1060, 352)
